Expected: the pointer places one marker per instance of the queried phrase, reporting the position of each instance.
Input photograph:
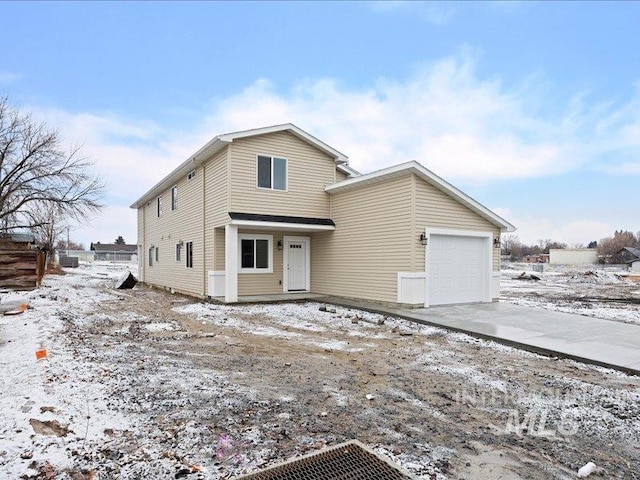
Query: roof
(427, 175)
(281, 219)
(219, 142)
(114, 247)
(18, 237)
(632, 251)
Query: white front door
(297, 265)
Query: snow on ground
(144, 384)
(589, 290)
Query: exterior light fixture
(424, 240)
(279, 244)
(496, 242)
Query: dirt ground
(201, 389)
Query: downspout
(204, 234)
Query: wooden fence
(21, 269)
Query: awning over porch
(281, 222)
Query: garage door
(457, 268)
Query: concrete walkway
(591, 340)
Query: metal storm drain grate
(347, 461)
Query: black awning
(256, 217)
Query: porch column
(231, 263)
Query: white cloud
(531, 228)
(465, 128)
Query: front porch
(267, 258)
(276, 298)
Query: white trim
(285, 261)
(255, 236)
(231, 263)
(282, 225)
(486, 283)
(286, 173)
(216, 283)
(428, 176)
(409, 276)
(174, 198)
(345, 168)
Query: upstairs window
(174, 198)
(159, 206)
(256, 254)
(192, 174)
(272, 172)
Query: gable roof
(632, 251)
(427, 175)
(113, 247)
(218, 142)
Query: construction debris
(126, 281)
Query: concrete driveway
(592, 340)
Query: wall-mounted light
(180, 242)
(424, 240)
(279, 244)
(496, 242)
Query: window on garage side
(150, 256)
(256, 254)
(272, 172)
(178, 252)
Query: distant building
(629, 256)
(536, 258)
(115, 252)
(573, 256)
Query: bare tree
(509, 241)
(48, 225)
(35, 171)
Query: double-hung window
(272, 172)
(178, 252)
(150, 256)
(256, 253)
(159, 206)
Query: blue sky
(531, 108)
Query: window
(157, 254)
(192, 174)
(159, 206)
(178, 252)
(150, 256)
(189, 246)
(256, 254)
(174, 198)
(272, 172)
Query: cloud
(467, 128)
(531, 228)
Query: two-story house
(275, 210)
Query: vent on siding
(347, 461)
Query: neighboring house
(630, 256)
(276, 210)
(573, 256)
(536, 258)
(115, 251)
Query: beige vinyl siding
(340, 175)
(436, 209)
(219, 248)
(263, 283)
(371, 243)
(216, 206)
(309, 170)
(186, 224)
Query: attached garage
(458, 267)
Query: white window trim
(178, 247)
(286, 240)
(486, 293)
(255, 236)
(159, 206)
(186, 256)
(286, 176)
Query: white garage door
(457, 268)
